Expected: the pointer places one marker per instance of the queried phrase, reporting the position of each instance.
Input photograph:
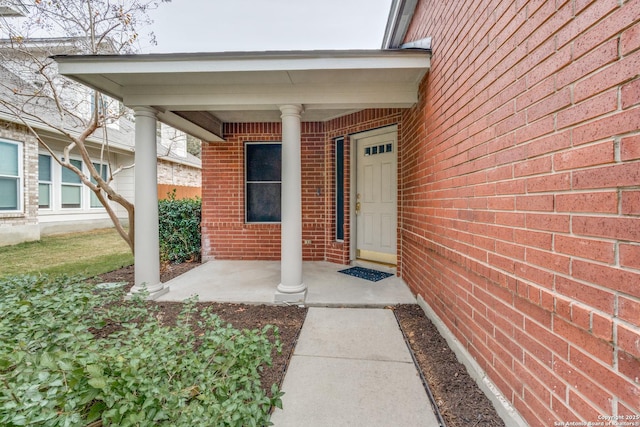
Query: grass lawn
(88, 253)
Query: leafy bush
(71, 355)
(179, 229)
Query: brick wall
(185, 180)
(520, 204)
(343, 127)
(225, 233)
(172, 173)
(22, 226)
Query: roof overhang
(47, 132)
(12, 8)
(202, 90)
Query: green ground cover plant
(72, 355)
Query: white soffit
(249, 84)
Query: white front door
(376, 200)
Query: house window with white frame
(104, 173)
(45, 181)
(10, 176)
(83, 101)
(71, 187)
(263, 181)
(109, 108)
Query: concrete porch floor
(254, 282)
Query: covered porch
(252, 282)
(206, 94)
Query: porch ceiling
(197, 92)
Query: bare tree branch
(39, 98)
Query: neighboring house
(490, 150)
(178, 169)
(44, 198)
(12, 8)
(39, 197)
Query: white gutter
(424, 43)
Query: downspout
(398, 22)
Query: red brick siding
(343, 127)
(313, 194)
(520, 210)
(225, 233)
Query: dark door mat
(366, 273)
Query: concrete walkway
(351, 367)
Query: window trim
(19, 178)
(72, 184)
(105, 177)
(48, 183)
(247, 182)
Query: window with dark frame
(263, 181)
(339, 189)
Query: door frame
(353, 176)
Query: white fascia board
(266, 61)
(110, 77)
(230, 97)
(98, 83)
(255, 81)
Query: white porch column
(291, 288)
(147, 242)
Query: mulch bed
(459, 399)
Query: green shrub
(71, 355)
(179, 223)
